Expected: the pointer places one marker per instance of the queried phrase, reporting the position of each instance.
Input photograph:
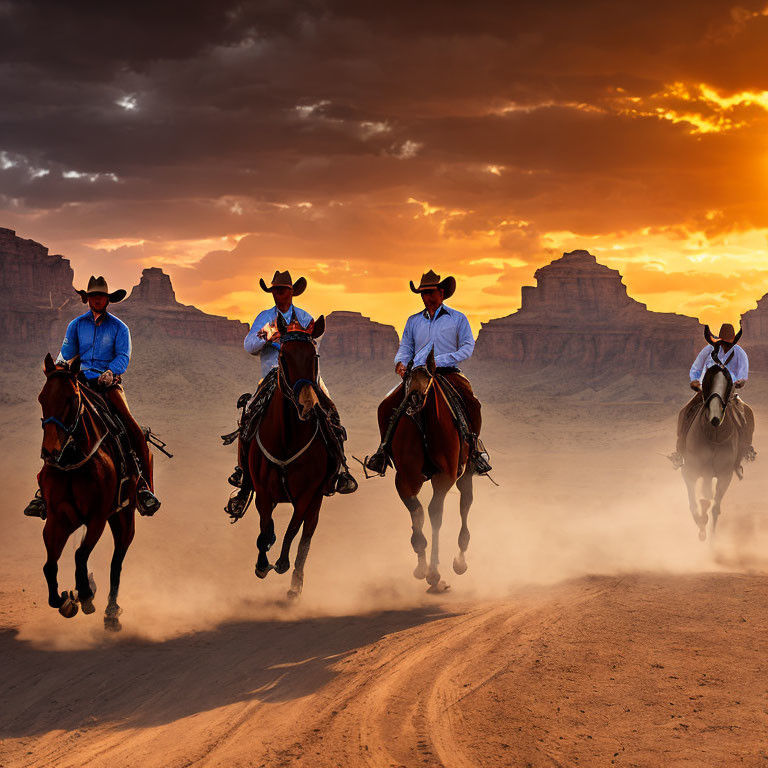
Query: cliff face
(755, 337)
(353, 336)
(152, 307)
(35, 290)
(579, 314)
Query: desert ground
(592, 627)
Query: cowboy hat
(283, 280)
(99, 285)
(727, 336)
(430, 280)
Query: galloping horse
(80, 484)
(288, 460)
(428, 443)
(711, 448)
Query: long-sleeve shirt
(102, 346)
(738, 367)
(269, 351)
(448, 333)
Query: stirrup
(147, 502)
(344, 483)
(36, 507)
(238, 503)
(236, 478)
(677, 459)
(377, 463)
(480, 462)
(751, 454)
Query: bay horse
(288, 460)
(711, 446)
(80, 483)
(426, 440)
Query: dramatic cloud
(361, 143)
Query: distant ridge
(579, 314)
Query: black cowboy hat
(99, 285)
(430, 280)
(283, 280)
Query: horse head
(716, 388)
(418, 382)
(62, 407)
(298, 363)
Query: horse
(711, 446)
(288, 459)
(428, 444)
(80, 482)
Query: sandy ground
(592, 627)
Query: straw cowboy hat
(99, 285)
(283, 280)
(430, 280)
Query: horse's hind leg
(440, 487)
(464, 484)
(123, 527)
(408, 493)
(311, 516)
(83, 584)
(266, 536)
(55, 534)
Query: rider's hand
(106, 378)
(400, 370)
(696, 385)
(739, 383)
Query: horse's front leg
(311, 517)
(266, 536)
(464, 484)
(693, 504)
(123, 526)
(408, 490)
(440, 486)
(56, 531)
(83, 582)
(723, 483)
(284, 561)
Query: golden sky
(360, 146)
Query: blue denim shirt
(102, 346)
(448, 333)
(269, 352)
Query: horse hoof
(420, 572)
(702, 535)
(433, 578)
(87, 605)
(439, 588)
(292, 595)
(68, 609)
(112, 624)
(459, 565)
(262, 574)
(281, 566)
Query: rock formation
(353, 336)
(755, 337)
(579, 315)
(152, 307)
(35, 290)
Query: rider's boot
(479, 456)
(146, 502)
(236, 478)
(238, 503)
(36, 507)
(677, 459)
(378, 462)
(344, 482)
(751, 454)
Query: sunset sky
(359, 144)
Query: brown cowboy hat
(99, 285)
(283, 280)
(727, 336)
(430, 280)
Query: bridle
(719, 366)
(70, 430)
(291, 391)
(416, 407)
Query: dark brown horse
(80, 485)
(288, 460)
(426, 440)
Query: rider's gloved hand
(696, 385)
(739, 383)
(106, 378)
(400, 370)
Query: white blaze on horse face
(307, 400)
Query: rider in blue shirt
(103, 343)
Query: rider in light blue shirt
(447, 332)
(264, 340)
